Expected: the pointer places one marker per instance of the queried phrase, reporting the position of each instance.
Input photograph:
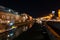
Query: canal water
(37, 32)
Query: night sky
(34, 8)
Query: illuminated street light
(8, 35)
(9, 10)
(8, 21)
(53, 12)
(11, 24)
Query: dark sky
(33, 7)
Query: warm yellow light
(50, 15)
(8, 21)
(59, 13)
(46, 17)
(13, 27)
